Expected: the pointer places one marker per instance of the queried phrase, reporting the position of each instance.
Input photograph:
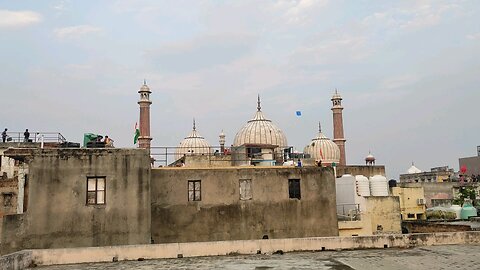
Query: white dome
(413, 169)
(324, 149)
(193, 144)
(260, 130)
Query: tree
(465, 193)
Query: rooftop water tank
(468, 210)
(378, 185)
(363, 185)
(457, 209)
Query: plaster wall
(58, 215)
(364, 170)
(160, 251)
(409, 202)
(442, 190)
(221, 215)
(472, 164)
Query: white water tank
(457, 209)
(378, 185)
(363, 185)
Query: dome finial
(194, 127)
(336, 91)
(144, 82)
(319, 127)
(259, 108)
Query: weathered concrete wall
(442, 190)
(8, 195)
(58, 215)
(367, 171)
(160, 251)
(384, 214)
(221, 215)
(17, 260)
(381, 215)
(409, 202)
(208, 161)
(431, 227)
(472, 164)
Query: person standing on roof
(4, 135)
(26, 134)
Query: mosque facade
(259, 142)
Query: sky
(408, 71)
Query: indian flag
(137, 134)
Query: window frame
(96, 191)
(293, 186)
(194, 182)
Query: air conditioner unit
(420, 201)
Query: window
(95, 190)
(410, 215)
(245, 189)
(194, 190)
(7, 199)
(294, 188)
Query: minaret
(222, 142)
(338, 136)
(144, 102)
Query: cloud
(473, 36)
(202, 52)
(10, 18)
(300, 11)
(72, 32)
(420, 15)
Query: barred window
(194, 190)
(294, 188)
(95, 190)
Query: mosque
(259, 142)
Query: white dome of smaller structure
(193, 144)
(323, 149)
(413, 169)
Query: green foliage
(465, 193)
(439, 214)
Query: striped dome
(323, 149)
(260, 130)
(193, 144)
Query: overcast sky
(409, 71)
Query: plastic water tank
(468, 211)
(457, 209)
(363, 185)
(378, 185)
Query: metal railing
(167, 156)
(348, 212)
(35, 137)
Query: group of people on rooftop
(5, 138)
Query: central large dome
(260, 130)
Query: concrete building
(81, 197)
(102, 197)
(436, 175)
(471, 164)
(234, 203)
(360, 213)
(412, 202)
